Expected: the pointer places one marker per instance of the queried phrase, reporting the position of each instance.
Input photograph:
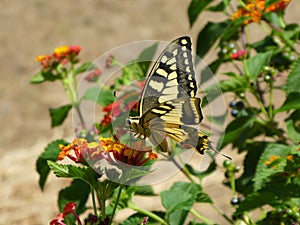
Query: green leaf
(58, 115)
(201, 174)
(86, 174)
(145, 58)
(101, 96)
(244, 184)
(189, 194)
(87, 66)
(254, 201)
(293, 126)
(214, 66)
(231, 30)
(43, 76)
(208, 36)
(178, 217)
(77, 192)
(136, 218)
(50, 153)
(144, 191)
(262, 171)
(293, 81)
(195, 8)
(292, 101)
(270, 2)
(219, 7)
(255, 64)
(171, 201)
(235, 129)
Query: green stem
(222, 214)
(116, 204)
(183, 170)
(103, 211)
(204, 219)
(147, 213)
(271, 100)
(94, 203)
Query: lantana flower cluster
(255, 9)
(61, 55)
(111, 149)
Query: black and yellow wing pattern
(168, 105)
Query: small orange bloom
(290, 157)
(272, 159)
(254, 9)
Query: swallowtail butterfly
(168, 105)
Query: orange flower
(277, 6)
(290, 157)
(108, 147)
(272, 159)
(254, 9)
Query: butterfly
(168, 106)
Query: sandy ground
(33, 27)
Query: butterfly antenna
(212, 147)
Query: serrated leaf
(208, 36)
(244, 184)
(195, 8)
(255, 64)
(136, 218)
(254, 201)
(43, 76)
(87, 66)
(70, 171)
(50, 153)
(262, 171)
(291, 102)
(293, 126)
(58, 115)
(235, 84)
(178, 217)
(102, 97)
(77, 192)
(293, 81)
(171, 201)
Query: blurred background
(34, 27)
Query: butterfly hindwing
(182, 111)
(168, 105)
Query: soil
(34, 27)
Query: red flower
(109, 60)
(58, 220)
(69, 208)
(94, 75)
(239, 54)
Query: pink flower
(239, 54)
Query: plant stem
(147, 213)
(103, 213)
(222, 214)
(204, 219)
(94, 203)
(183, 170)
(116, 204)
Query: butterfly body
(168, 105)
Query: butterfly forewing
(168, 103)
(171, 77)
